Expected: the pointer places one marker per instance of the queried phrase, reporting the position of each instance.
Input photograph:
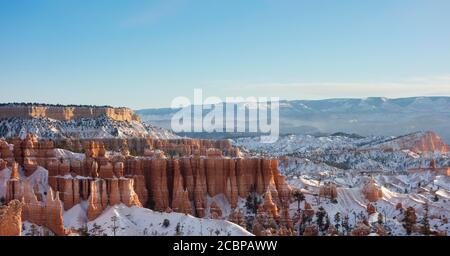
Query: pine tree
(166, 223)
(114, 226)
(34, 231)
(435, 198)
(425, 221)
(178, 229)
(321, 214)
(252, 202)
(409, 220)
(346, 224)
(96, 230)
(337, 221)
(83, 230)
(299, 197)
(380, 219)
(327, 223)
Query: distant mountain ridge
(368, 116)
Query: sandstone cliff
(65, 113)
(172, 175)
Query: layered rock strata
(65, 113)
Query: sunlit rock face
(11, 219)
(169, 176)
(66, 113)
(371, 191)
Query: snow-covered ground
(351, 202)
(100, 127)
(39, 180)
(333, 153)
(348, 162)
(121, 220)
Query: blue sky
(144, 53)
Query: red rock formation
(76, 167)
(65, 113)
(371, 209)
(140, 188)
(177, 188)
(64, 168)
(53, 213)
(269, 206)
(47, 214)
(119, 169)
(286, 220)
(237, 217)
(30, 165)
(311, 231)
(360, 230)
(418, 143)
(106, 171)
(328, 190)
(94, 169)
(171, 182)
(148, 146)
(10, 219)
(94, 149)
(371, 191)
(215, 210)
(13, 184)
(200, 188)
(6, 153)
(114, 193)
(84, 188)
(308, 210)
(71, 195)
(187, 173)
(104, 194)
(284, 191)
(30, 153)
(127, 194)
(231, 185)
(95, 207)
(159, 184)
(332, 231)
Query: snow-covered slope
(342, 152)
(121, 220)
(414, 190)
(101, 127)
(348, 161)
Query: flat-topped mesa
(65, 113)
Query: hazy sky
(144, 53)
